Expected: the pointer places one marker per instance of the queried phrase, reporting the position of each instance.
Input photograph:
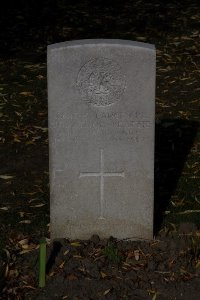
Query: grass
(112, 253)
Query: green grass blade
(42, 266)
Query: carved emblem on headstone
(101, 82)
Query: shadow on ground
(173, 141)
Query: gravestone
(101, 98)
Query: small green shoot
(112, 253)
(42, 266)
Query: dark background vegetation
(26, 28)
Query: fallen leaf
(6, 271)
(153, 293)
(197, 264)
(154, 296)
(31, 247)
(52, 273)
(44, 129)
(141, 38)
(24, 251)
(38, 205)
(7, 254)
(29, 94)
(25, 222)
(23, 242)
(189, 211)
(106, 292)
(103, 275)
(22, 213)
(5, 177)
(13, 273)
(4, 208)
(75, 244)
(16, 139)
(30, 142)
(82, 269)
(40, 77)
(77, 256)
(29, 287)
(31, 194)
(29, 66)
(62, 265)
(71, 277)
(137, 254)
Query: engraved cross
(102, 174)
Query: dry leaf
(25, 247)
(5, 177)
(22, 214)
(4, 208)
(103, 275)
(189, 211)
(197, 264)
(38, 205)
(62, 265)
(51, 274)
(7, 254)
(66, 252)
(141, 38)
(40, 77)
(137, 254)
(13, 273)
(24, 251)
(154, 296)
(29, 94)
(44, 129)
(71, 277)
(106, 292)
(77, 256)
(23, 242)
(6, 271)
(16, 139)
(29, 287)
(29, 66)
(75, 244)
(30, 142)
(25, 222)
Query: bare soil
(165, 268)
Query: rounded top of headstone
(101, 81)
(100, 42)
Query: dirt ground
(165, 268)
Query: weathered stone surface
(101, 97)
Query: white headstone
(101, 97)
